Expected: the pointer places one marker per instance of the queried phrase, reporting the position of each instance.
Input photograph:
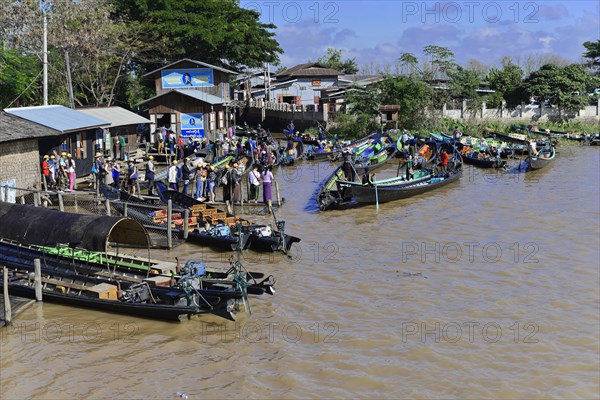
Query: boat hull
(364, 195)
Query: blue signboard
(185, 78)
(192, 124)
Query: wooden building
(52, 127)
(300, 85)
(20, 163)
(191, 98)
(122, 123)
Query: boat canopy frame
(47, 227)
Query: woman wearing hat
(52, 171)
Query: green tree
(215, 31)
(562, 86)
(410, 94)
(507, 82)
(333, 59)
(363, 101)
(593, 53)
(441, 62)
(409, 63)
(19, 78)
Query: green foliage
(508, 82)
(441, 62)
(464, 83)
(593, 53)
(333, 59)
(18, 75)
(363, 101)
(348, 126)
(562, 86)
(494, 100)
(411, 94)
(215, 31)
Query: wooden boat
(261, 237)
(376, 160)
(335, 156)
(292, 152)
(337, 192)
(123, 267)
(193, 284)
(472, 157)
(542, 159)
(399, 188)
(119, 297)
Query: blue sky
(379, 31)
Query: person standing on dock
(173, 173)
(62, 171)
(150, 174)
(71, 172)
(52, 171)
(212, 184)
(108, 176)
(116, 174)
(160, 140)
(267, 178)
(186, 174)
(45, 172)
(133, 177)
(121, 147)
(254, 178)
(226, 182)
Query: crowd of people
(203, 180)
(58, 171)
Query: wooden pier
(11, 306)
(17, 304)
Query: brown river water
(486, 288)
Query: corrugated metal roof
(15, 128)
(59, 118)
(308, 69)
(196, 94)
(117, 116)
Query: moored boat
(544, 157)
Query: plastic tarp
(41, 226)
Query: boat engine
(264, 231)
(138, 293)
(191, 276)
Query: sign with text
(192, 124)
(186, 78)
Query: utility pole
(269, 79)
(69, 81)
(45, 57)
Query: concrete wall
(20, 160)
(525, 111)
